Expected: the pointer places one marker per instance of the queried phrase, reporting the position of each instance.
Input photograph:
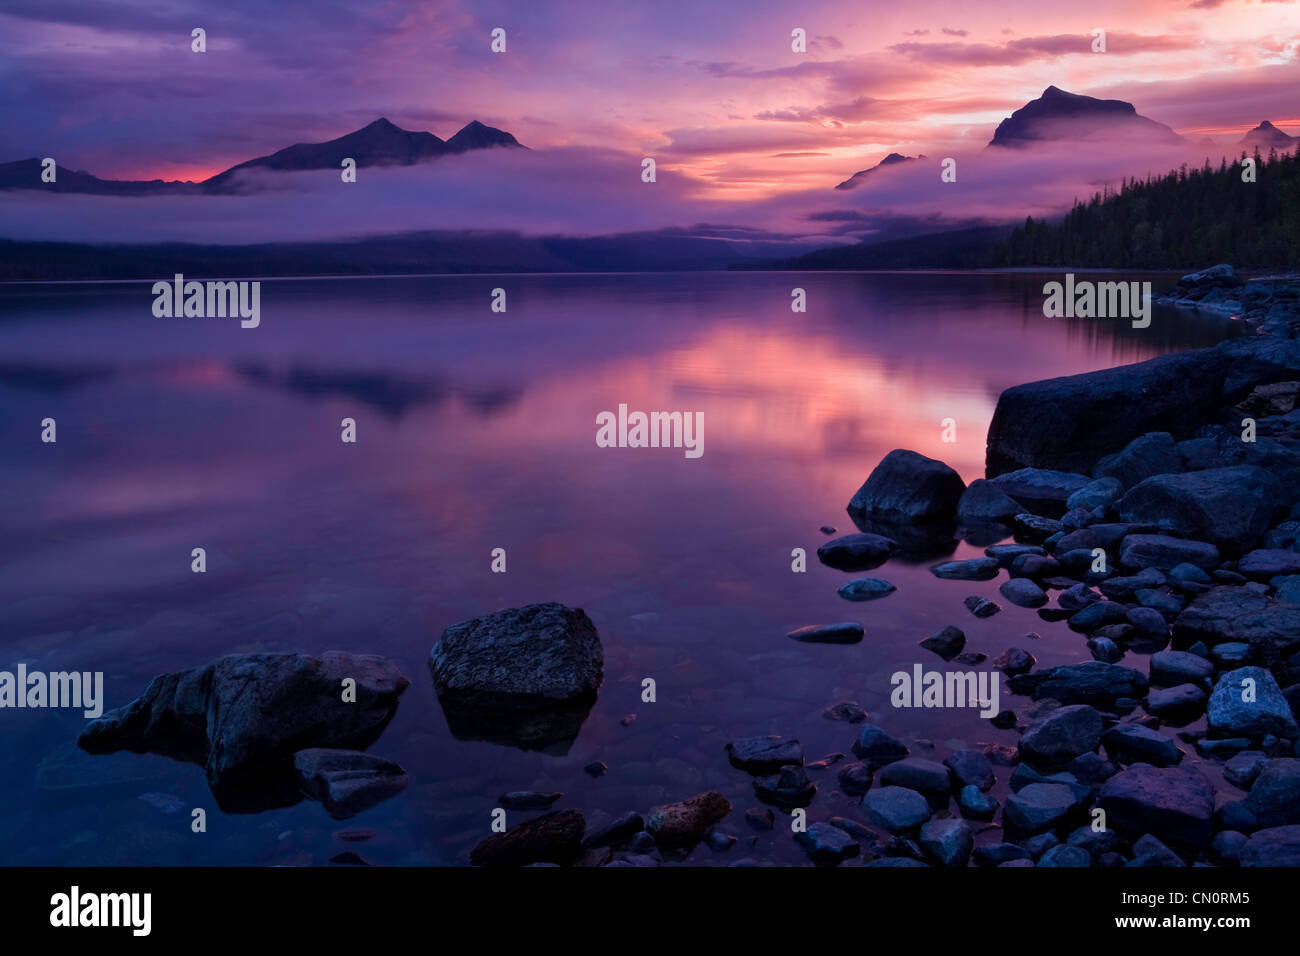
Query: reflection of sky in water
(476, 430)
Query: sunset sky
(711, 89)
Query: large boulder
(244, 716)
(1228, 507)
(907, 486)
(524, 676)
(1176, 804)
(1070, 423)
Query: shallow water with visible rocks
(475, 431)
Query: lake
(475, 430)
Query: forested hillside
(1185, 219)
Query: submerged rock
(347, 782)
(526, 676)
(527, 799)
(845, 632)
(865, 589)
(553, 838)
(789, 787)
(849, 711)
(877, 747)
(764, 754)
(689, 821)
(242, 718)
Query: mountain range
(1059, 116)
(381, 143)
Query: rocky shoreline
(1153, 508)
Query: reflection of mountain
(51, 379)
(390, 394)
(393, 395)
(1058, 115)
(381, 143)
(422, 253)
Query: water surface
(476, 431)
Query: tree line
(1188, 218)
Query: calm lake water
(475, 431)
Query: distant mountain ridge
(893, 159)
(1058, 115)
(381, 143)
(1266, 136)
